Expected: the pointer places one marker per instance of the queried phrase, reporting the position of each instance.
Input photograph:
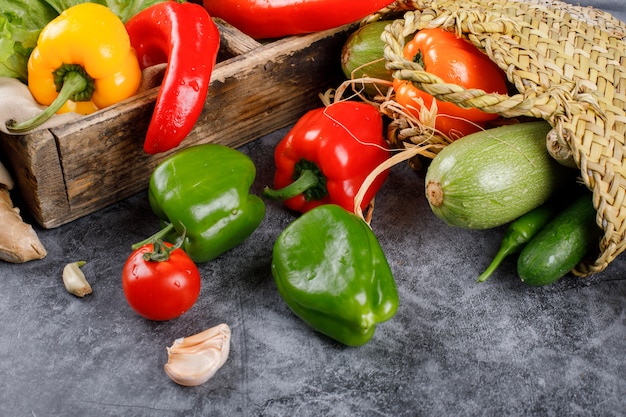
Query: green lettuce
(124, 9)
(21, 22)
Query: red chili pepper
(327, 155)
(276, 18)
(456, 61)
(184, 36)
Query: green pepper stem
(74, 82)
(306, 181)
(508, 246)
(157, 236)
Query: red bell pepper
(456, 61)
(327, 155)
(184, 36)
(276, 18)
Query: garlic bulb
(194, 360)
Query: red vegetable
(455, 61)
(184, 36)
(276, 18)
(160, 281)
(327, 155)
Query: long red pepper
(184, 36)
(276, 18)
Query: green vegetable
(22, 20)
(331, 271)
(362, 56)
(202, 193)
(124, 9)
(561, 244)
(520, 232)
(20, 24)
(492, 177)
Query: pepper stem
(75, 83)
(308, 180)
(503, 252)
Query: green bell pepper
(332, 273)
(202, 193)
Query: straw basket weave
(568, 65)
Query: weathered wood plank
(36, 169)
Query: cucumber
(362, 55)
(492, 177)
(560, 245)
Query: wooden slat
(234, 43)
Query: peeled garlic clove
(75, 281)
(194, 360)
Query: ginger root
(18, 241)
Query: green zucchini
(362, 55)
(560, 245)
(492, 177)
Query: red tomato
(160, 290)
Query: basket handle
(549, 104)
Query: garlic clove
(193, 360)
(75, 281)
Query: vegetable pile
(483, 171)
(91, 56)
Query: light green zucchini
(362, 56)
(492, 177)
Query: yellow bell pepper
(83, 62)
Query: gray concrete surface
(455, 348)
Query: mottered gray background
(455, 348)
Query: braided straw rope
(569, 68)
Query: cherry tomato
(160, 290)
(455, 61)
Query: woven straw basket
(568, 65)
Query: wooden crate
(67, 172)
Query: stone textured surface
(454, 348)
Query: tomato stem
(157, 236)
(160, 251)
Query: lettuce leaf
(20, 24)
(124, 9)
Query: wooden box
(70, 171)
